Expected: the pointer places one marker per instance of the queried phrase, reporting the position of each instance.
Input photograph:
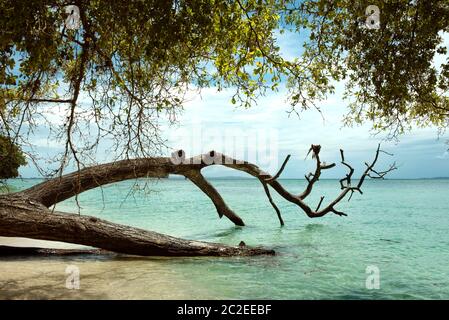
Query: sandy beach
(25, 242)
(101, 277)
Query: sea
(394, 244)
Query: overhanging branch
(59, 189)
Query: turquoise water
(399, 226)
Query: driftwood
(27, 213)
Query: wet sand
(101, 277)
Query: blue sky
(210, 121)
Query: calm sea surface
(400, 227)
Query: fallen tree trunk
(27, 214)
(21, 217)
(8, 251)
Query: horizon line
(175, 177)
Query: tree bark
(22, 217)
(34, 251)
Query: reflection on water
(230, 232)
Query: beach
(32, 243)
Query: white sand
(24, 242)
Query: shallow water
(399, 226)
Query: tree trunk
(22, 217)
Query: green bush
(11, 158)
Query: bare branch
(319, 203)
(55, 190)
(280, 170)
(273, 204)
(197, 178)
(314, 177)
(339, 213)
(348, 175)
(47, 100)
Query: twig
(280, 170)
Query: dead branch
(312, 178)
(273, 204)
(53, 191)
(280, 170)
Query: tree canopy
(392, 80)
(135, 60)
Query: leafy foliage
(11, 158)
(134, 60)
(390, 75)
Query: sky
(265, 134)
(211, 122)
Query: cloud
(212, 112)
